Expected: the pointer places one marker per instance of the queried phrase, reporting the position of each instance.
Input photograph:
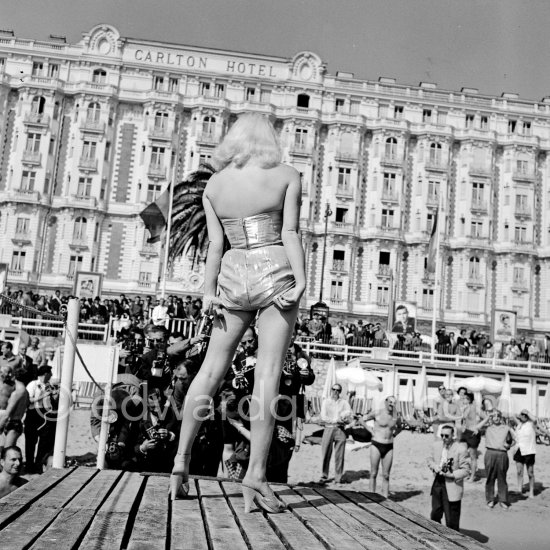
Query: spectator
(526, 436)
(27, 371)
(533, 352)
(523, 348)
(11, 462)
(35, 353)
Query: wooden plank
(150, 527)
(28, 526)
(15, 503)
(328, 532)
(222, 530)
(187, 530)
(109, 525)
(457, 537)
(412, 530)
(359, 530)
(68, 527)
(254, 526)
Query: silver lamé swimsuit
(256, 269)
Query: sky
(494, 45)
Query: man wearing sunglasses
(335, 411)
(450, 463)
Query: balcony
(92, 126)
(83, 201)
(37, 119)
(21, 238)
(337, 302)
(19, 275)
(339, 265)
(156, 171)
(390, 197)
(474, 281)
(26, 195)
(480, 170)
(342, 228)
(78, 244)
(32, 158)
(160, 134)
(149, 250)
(208, 138)
(392, 160)
(384, 271)
(300, 150)
(349, 156)
(428, 277)
(523, 212)
(382, 232)
(145, 284)
(432, 201)
(524, 175)
(436, 165)
(520, 286)
(87, 164)
(344, 192)
(479, 206)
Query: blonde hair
(251, 137)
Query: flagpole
(169, 221)
(435, 303)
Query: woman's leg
(226, 334)
(531, 475)
(519, 467)
(275, 327)
(473, 462)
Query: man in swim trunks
(14, 400)
(387, 424)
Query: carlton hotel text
(92, 132)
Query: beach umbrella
(421, 390)
(545, 408)
(330, 379)
(504, 403)
(358, 377)
(409, 391)
(480, 384)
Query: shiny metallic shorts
(252, 279)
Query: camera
(159, 364)
(447, 468)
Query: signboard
(404, 317)
(504, 325)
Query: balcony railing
(83, 201)
(344, 191)
(433, 200)
(26, 195)
(436, 165)
(91, 125)
(524, 175)
(300, 149)
(148, 250)
(520, 285)
(475, 281)
(164, 134)
(78, 243)
(30, 157)
(339, 265)
(37, 119)
(523, 212)
(343, 227)
(384, 271)
(156, 171)
(391, 160)
(480, 170)
(428, 277)
(390, 196)
(478, 206)
(85, 163)
(208, 138)
(18, 274)
(21, 237)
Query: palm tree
(189, 234)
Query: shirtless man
(387, 424)
(448, 412)
(14, 400)
(470, 435)
(11, 461)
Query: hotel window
(341, 215)
(427, 116)
(2, 64)
(265, 96)
(470, 121)
(96, 232)
(336, 291)
(339, 104)
(388, 184)
(300, 138)
(204, 158)
(158, 83)
(157, 156)
(519, 274)
(153, 191)
(354, 107)
(433, 190)
(520, 234)
(521, 203)
(53, 70)
(427, 298)
(250, 94)
(38, 68)
(208, 126)
(173, 84)
(27, 180)
(476, 229)
(204, 89)
(33, 143)
(219, 90)
(383, 295)
(344, 177)
(99, 76)
(430, 222)
(93, 112)
(387, 218)
(161, 120)
(435, 153)
(84, 188)
(526, 128)
(522, 166)
(477, 192)
(144, 278)
(390, 151)
(89, 150)
(473, 271)
(302, 101)
(484, 123)
(512, 126)
(18, 260)
(22, 226)
(75, 264)
(80, 229)
(398, 112)
(37, 105)
(442, 118)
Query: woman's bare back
(247, 191)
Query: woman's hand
(211, 305)
(290, 298)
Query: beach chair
(84, 394)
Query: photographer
(154, 366)
(450, 463)
(133, 347)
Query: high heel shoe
(271, 504)
(179, 479)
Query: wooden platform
(91, 509)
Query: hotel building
(92, 132)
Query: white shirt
(35, 388)
(159, 315)
(335, 411)
(527, 438)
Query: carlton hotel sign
(211, 63)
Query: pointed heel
(179, 486)
(249, 496)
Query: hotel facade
(92, 132)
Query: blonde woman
(255, 201)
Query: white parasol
(358, 377)
(480, 384)
(504, 403)
(545, 407)
(421, 390)
(330, 379)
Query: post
(65, 396)
(435, 304)
(104, 431)
(328, 212)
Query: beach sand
(525, 525)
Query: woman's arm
(291, 239)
